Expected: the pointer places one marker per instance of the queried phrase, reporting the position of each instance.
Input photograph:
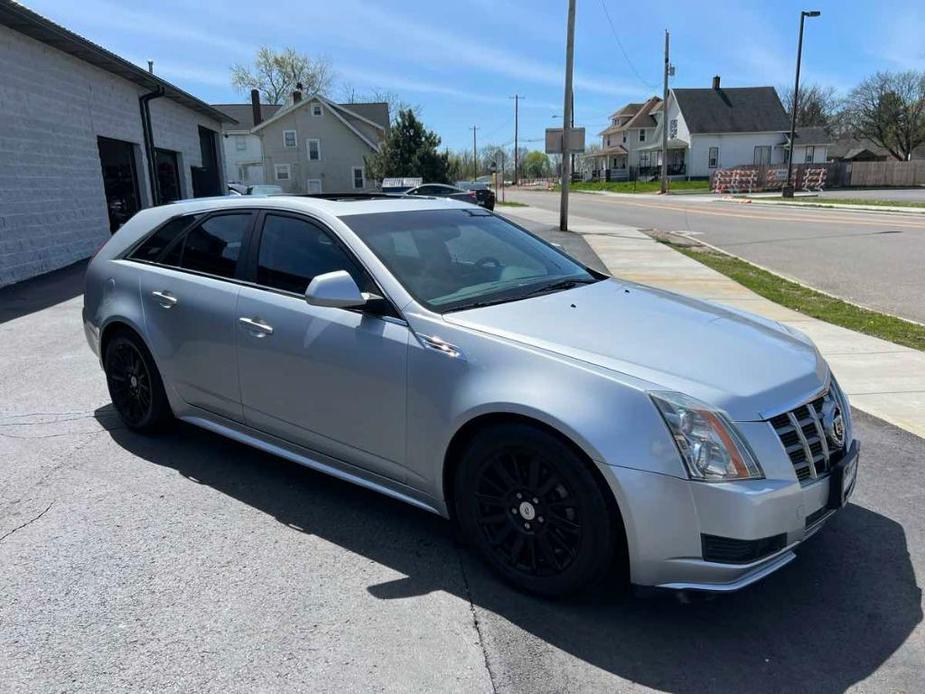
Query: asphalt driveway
(188, 562)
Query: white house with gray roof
(708, 129)
(317, 146)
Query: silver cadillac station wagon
(576, 427)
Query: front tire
(135, 385)
(531, 507)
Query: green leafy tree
(535, 165)
(409, 150)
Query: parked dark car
(483, 192)
(441, 190)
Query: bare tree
(349, 94)
(277, 74)
(818, 105)
(889, 108)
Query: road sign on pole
(554, 137)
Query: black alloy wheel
(528, 513)
(528, 501)
(134, 384)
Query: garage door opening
(120, 180)
(168, 175)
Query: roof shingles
(735, 110)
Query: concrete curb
(857, 208)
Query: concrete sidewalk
(881, 378)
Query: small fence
(887, 173)
(750, 178)
(813, 177)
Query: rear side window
(213, 247)
(293, 251)
(160, 239)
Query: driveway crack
(475, 621)
(28, 522)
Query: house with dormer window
(708, 129)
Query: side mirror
(334, 289)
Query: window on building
(762, 155)
(313, 185)
(290, 140)
(359, 178)
(673, 128)
(314, 150)
(624, 138)
(608, 140)
(213, 247)
(642, 135)
(283, 172)
(713, 157)
(316, 109)
(810, 154)
(643, 159)
(240, 143)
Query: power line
(623, 50)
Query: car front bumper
(746, 529)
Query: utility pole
(567, 116)
(475, 154)
(665, 120)
(516, 98)
(787, 192)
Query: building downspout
(148, 135)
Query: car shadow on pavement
(825, 622)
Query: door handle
(256, 326)
(165, 299)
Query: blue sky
(460, 61)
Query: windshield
(454, 259)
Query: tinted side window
(161, 238)
(293, 251)
(214, 246)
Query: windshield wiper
(569, 283)
(559, 285)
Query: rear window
(151, 249)
(213, 247)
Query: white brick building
(75, 158)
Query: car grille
(802, 432)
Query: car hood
(748, 366)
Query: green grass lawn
(510, 203)
(810, 302)
(643, 187)
(859, 201)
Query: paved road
(874, 259)
(191, 563)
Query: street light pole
(788, 189)
(665, 121)
(567, 116)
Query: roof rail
(350, 196)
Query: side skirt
(311, 459)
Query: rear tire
(135, 385)
(532, 508)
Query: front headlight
(710, 446)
